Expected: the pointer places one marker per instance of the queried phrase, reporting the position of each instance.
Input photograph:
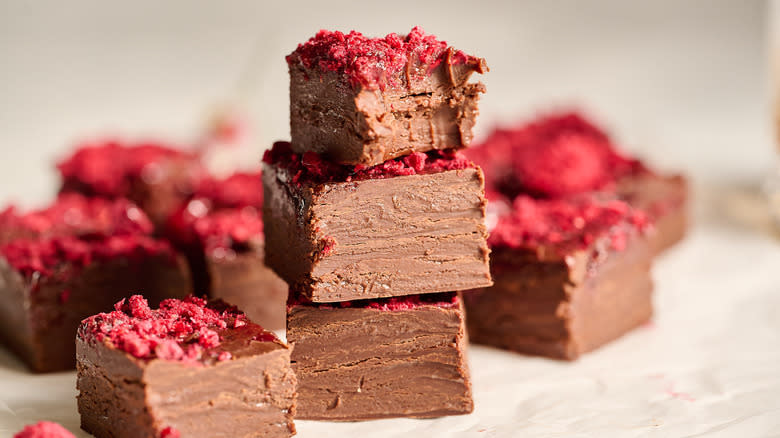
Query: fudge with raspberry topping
(564, 154)
(411, 225)
(44, 429)
(73, 259)
(191, 368)
(221, 231)
(393, 357)
(570, 275)
(157, 177)
(361, 100)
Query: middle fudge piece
(396, 357)
(408, 226)
(189, 369)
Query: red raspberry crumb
(44, 429)
(170, 432)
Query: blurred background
(683, 84)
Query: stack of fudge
(575, 227)
(375, 220)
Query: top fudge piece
(563, 155)
(408, 226)
(361, 100)
(156, 177)
(190, 368)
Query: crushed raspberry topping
(407, 302)
(552, 157)
(373, 62)
(242, 189)
(312, 168)
(74, 214)
(44, 429)
(108, 168)
(567, 224)
(45, 256)
(180, 330)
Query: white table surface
(683, 84)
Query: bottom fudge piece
(569, 277)
(189, 369)
(395, 357)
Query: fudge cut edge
(330, 244)
(364, 126)
(562, 307)
(405, 361)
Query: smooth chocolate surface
(360, 363)
(376, 238)
(250, 395)
(243, 280)
(39, 315)
(562, 306)
(359, 125)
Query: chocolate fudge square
(71, 260)
(408, 226)
(570, 275)
(221, 231)
(394, 357)
(361, 100)
(157, 177)
(564, 154)
(189, 369)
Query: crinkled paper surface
(708, 364)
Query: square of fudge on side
(384, 231)
(188, 369)
(564, 299)
(158, 177)
(71, 260)
(395, 357)
(222, 237)
(364, 108)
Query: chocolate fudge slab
(397, 357)
(247, 282)
(40, 315)
(189, 369)
(157, 177)
(557, 308)
(570, 275)
(221, 231)
(409, 226)
(361, 100)
(73, 259)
